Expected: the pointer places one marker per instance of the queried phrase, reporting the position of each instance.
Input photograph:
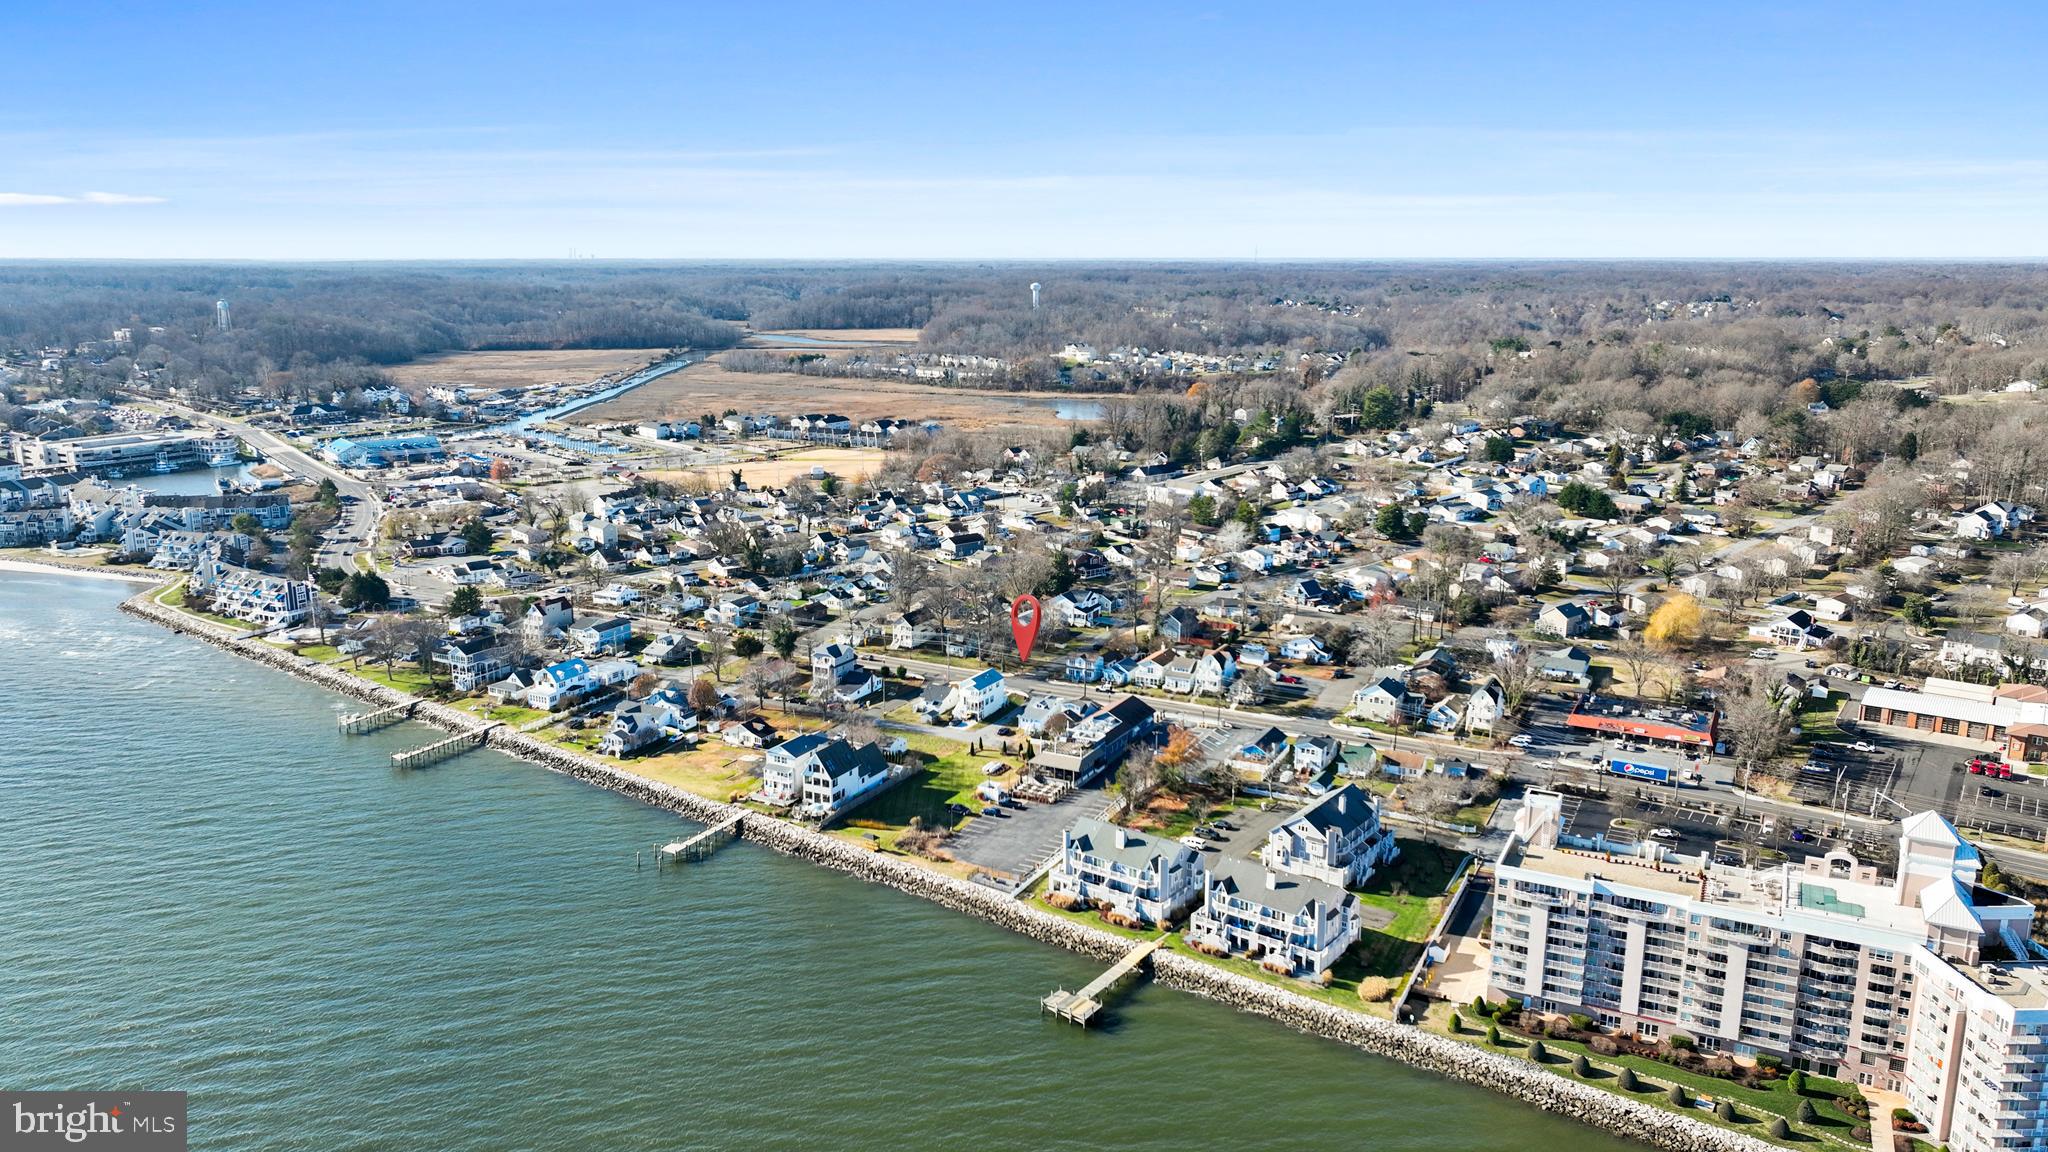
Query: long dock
(441, 750)
(1083, 1006)
(357, 723)
(702, 844)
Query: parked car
(1763, 654)
(1195, 842)
(1006, 731)
(1864, 746)
(991, 810)
(1802, 836)
(1663, 834)
(1989, 793)
(1521, 740)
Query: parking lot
(1018, 841)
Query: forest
(1684, 344)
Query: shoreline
(1631, 1119)
(97, 572)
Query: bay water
(207, 888)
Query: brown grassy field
(708, 387)
(845, 335)
(846, 463)
(519, 369)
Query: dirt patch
(706, 387)
(846, 463)
(520, 369)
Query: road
(356, 529)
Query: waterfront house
(821, 776)
(1291, 924)
(473, 661)
(636, 724)
(1338, 840)
(567, 681)
(1141, 876)
(256, 598)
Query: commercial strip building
(1634, 719)
(2010, 719)
(1923, 983)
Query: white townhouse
(1338, 839)
(1291, 924)
(1136, 874)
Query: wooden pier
(441, 750)
(1082, 1007)
(702, 844)
(357, 723)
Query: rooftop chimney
(1343, 803)
(1123, 837)
(1272, 880)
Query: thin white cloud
(46, 199)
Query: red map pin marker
(1024, 617)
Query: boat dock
(441, 750)
(1083, 1006)
(357, 723)
(702, 844)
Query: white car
(1864, 746)
(1195, 842)
(1763, 654)
(1520, 740)
(1663, 834)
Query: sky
(629, 130)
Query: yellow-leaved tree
(1678, 622)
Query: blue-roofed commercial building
(383, 451)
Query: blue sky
(1362, 130)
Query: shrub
(1677, 1096)
(1779, 1129)
(1627, 1079)
(1457, 1021)
(1581, 1067)
(1860, 1134)
(1726, 1111)
(1557, 1028)
(1493, 1034)
(1374, 989)
(1806, 1113)
(1797, 1082)
(1479, 1007)
(1580, 1022)
(1603, 1045)
(1538, 1052)
(1766, 1060)
(1899, 1114)
(1680, 1042)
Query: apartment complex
(133, 451)
(1886, 981)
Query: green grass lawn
(1820, 719)
(323, 653)
(408, 680)
(1412, 890)
(951, 774)
(1756, 1105)
(174, 597)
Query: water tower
(1034, 295)
(220, 315)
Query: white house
(1291, 924)
(822, 777)
(978, 697)
(1338, 839)
(1139, 875)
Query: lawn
(1757, 1105)
(174, 597)
(714, 769)
(320, 653)
(1820, 719)
(1412, 891)
(511, 714)
(408, 680)
(951, 774)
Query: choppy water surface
(209, 889)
